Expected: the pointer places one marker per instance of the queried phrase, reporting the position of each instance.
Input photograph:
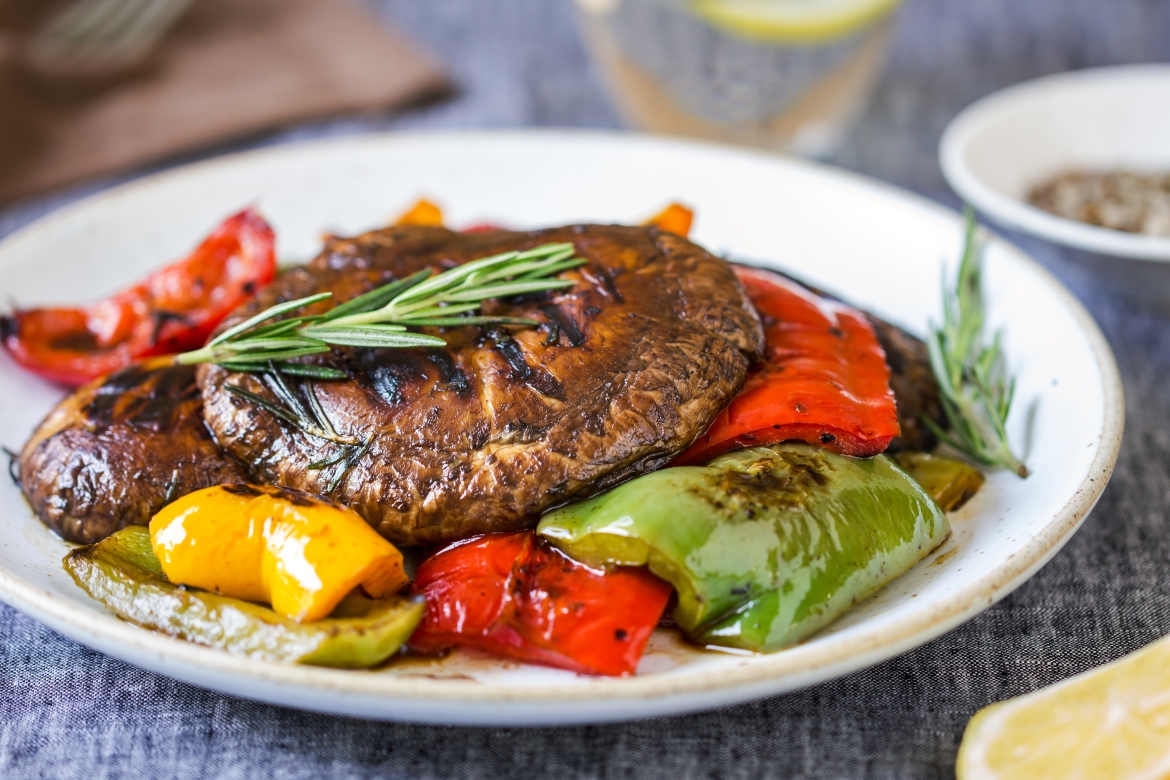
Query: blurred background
(869, 90)
(516, 63)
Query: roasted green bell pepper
(122, 572)
(764, 546)
(951, 483)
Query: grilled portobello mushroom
(916, 392)
(119, 449)
(625, 370)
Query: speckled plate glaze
(876, 245)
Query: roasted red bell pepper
(824, 378)
(174, 309)
(517, 596)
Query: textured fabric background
(69, 712)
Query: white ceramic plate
(876, 245)
(1000, 147)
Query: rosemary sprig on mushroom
(268, 346)
(300, 407)
(975, 389)
(381, 317)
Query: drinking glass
(788, 75)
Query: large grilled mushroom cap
(625, 370)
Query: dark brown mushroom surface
(119, 449)
(625, 369)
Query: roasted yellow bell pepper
(951, 483)
(121, 572)
(299, 553)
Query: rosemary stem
(975, 389)
(211, 354)
(382, 317)
(1012, 462)
(376, 317)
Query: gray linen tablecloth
(68, 712)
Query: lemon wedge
(794, 21)
(1110, 722)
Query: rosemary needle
(975, 391)
(380, 318)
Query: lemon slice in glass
(793, 21)
(1112, 722)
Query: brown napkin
(229, 68)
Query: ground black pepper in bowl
(1121, 200)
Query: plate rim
(765, 675)
(1018, 214)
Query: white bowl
(998, 148)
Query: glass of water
(788, 75)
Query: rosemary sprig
(310, 418)
(267, 346)
(976, 393)
(381, 317)
(301, 408)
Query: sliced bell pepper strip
(299, 553)
(423, 212)
(824, 378)
(174, 309)
(764, 546)
(516, 596)
(951, 483)
(675, 218)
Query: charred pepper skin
(951, 483)
(172, 310)
(516, 596)
(763, 546)
(122, 572)
(824, 378)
